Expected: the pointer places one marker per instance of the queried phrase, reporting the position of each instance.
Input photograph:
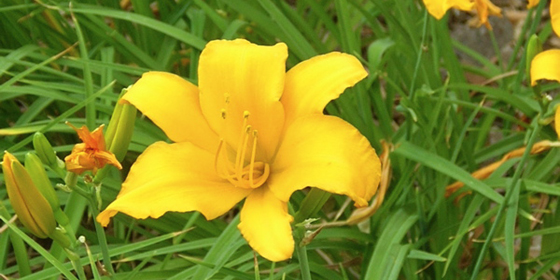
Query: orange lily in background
(91, 154)
(484, 8)
(248, 131)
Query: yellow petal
(532, 3)
(328, 153)
(546, 65)
(173, 177)
(237, 76)
(172, 103)
(555, 16)
(265, 224)
(484, 9)
(311, 84)
(557, 121)
(438, 8)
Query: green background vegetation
(416, 97)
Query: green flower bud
(534, 46)
(34, 167)
(47, 154)
(121, 127)
(33, 210)
(119, 132)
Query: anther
(224, 114)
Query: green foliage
(63, 61)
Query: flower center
(241, 172)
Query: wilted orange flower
(90, 155)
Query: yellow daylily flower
(91, 154)
(248, 131)
(484, 8)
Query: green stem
(419, 58)
(303, 262)
(101, 238)
(496, 49)
(75, 259)
(510, 191)
(71, 180)
(311, 204)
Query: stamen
(240, 158)
(217, 158)
(252, 175)
(252, 162)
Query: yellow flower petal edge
(311, 84)
(260, 155)
(173, 177)
(328, 153)
(265, 223)
(182, 119)
(438, 8)
(545, 65)
(555, 16)
(532, 3)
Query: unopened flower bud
(47, 154)
(119, 133)
(534, 46)
(35, 169)
(33, 210)
(121, 127)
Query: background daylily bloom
(250, 130)
(545, 65)
(484, 8)
(438, 8)
(90, 155)
(532, 3)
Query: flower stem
(303, 262)
(311, 204)
(71, 180)
(101, 238)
